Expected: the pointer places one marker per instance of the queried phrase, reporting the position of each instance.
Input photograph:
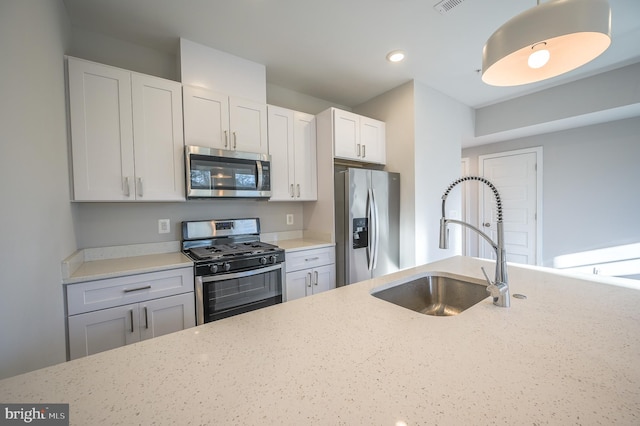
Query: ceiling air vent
(446, 5)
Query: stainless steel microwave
(219, 173)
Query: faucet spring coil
(480, 179)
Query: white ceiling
(335, 49)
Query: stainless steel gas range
(234, 271)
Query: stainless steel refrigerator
(367, 218)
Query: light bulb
(539, 58)
(395, 56)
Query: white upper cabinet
(358, 138)
(215, 120)
(292, 146)
(126, 135)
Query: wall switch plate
(164, 226)
(289, 219)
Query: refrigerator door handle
(376, 228)
(370, 217)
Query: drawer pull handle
(129, 290)
(131, 318)
(309, 276)
(311, 258)
(315, 273)
(146, 318)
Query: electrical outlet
(289, 219)
(164, 226)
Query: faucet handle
(489, 282)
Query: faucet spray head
(444, 234)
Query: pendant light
(545, 41)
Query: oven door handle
(241, 274)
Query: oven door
(226, 295)
(230, 174)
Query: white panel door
(346, 134)
(166, 315)
(372, 139)
(324, 278)
(99, 331)
(248, 126)
(101, 131)
(281, 150)
(517, 176)
(304, 162)
(206, 118)
(298, 284)
(159, 146)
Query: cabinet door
(304, 162)
(166, 315)
(206, 118)
(248, 126)
(324, 278)
(280, 122)
(372, 139)
(346, 135)
(101, 131)
(158, 138)
(298, 284)
(99, 331)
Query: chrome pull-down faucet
(499, 287)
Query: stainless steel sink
(435, 294)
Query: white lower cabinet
(309, 272)
(100, 317)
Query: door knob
(486, 225)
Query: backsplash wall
(112, 224)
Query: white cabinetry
(110, 313)
(292, 146)
(309, 272)
(126, 134)
(358, 138)
(216, 120)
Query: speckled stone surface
(112, 268)
(302, 244)
(568, 354)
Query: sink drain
(519, 296)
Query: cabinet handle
(311, 258)
(291, 193)
(226, 139)
(358, 150)
(309, 276)
(235, 140)
(298, 186)
(129, 290)
(146, 318)
(364, 151)
(125, 187)
(315, 275)
(139, 187)
(131, 318)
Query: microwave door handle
(259, 170)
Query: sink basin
(435, 294)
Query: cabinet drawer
(304, 259)
(107, 293)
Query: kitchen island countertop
(567, 354)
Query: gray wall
(591, 198)
(36, 216)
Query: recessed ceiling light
(395, 56)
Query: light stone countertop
(298, 244)
(568, 354)
(117, 267)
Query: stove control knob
(213, 268)
(273, 258)
(263, 260)
(226, 266)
